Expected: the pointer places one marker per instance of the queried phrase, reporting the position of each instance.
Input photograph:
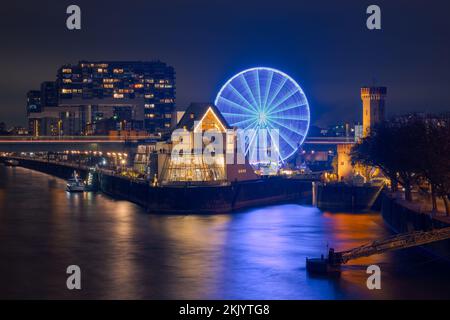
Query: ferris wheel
(267, 99)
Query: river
(127, 253)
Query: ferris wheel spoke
(281, 124)
(284, 99)
(237, 124)
(289, 117)
(276, 145)
(289, 142)
(288, 107)
(268, 85)
(277, 91)
(251, 124)
(286, 139)
(258, 90)
(251, 140)
(236, 105)
(231, 114)
(253, 108)
(290, 129)
(250, 92)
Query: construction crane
(397, 242)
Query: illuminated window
(149, 106)
(108, 85)
(67, 70)
(150, 115)
(118, 95)
(125, 90)
(149, 96)
(117, 70)
(66, 90)
(67, 80)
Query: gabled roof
(198, 110)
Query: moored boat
(11, 163)
(75, 184)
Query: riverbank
(187, 199)
(348, 198)
(402, 216)
(126, 253)
(51, 167)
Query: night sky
(324, 45)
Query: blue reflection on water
(127, 253)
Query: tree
(410, 150)
(390, 147)
(435, 160)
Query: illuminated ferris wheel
(265, 98)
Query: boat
(75, 184)
(322, 266)
(11, 163)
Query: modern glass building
(94, 98)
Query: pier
(397, 242)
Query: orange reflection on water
(194, 249)
(353, 230)
(356, 229)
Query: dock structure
(397, 242)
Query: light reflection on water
(126, 253)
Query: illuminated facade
(344, 162)
(196, 122)
(102, 96)
(373, 99)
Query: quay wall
(343, 197)
(402, 219)
(53, 168)
(187, 198)
(207, 199)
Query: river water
(126, 253)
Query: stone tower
(373, 107)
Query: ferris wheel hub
(262, 119)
